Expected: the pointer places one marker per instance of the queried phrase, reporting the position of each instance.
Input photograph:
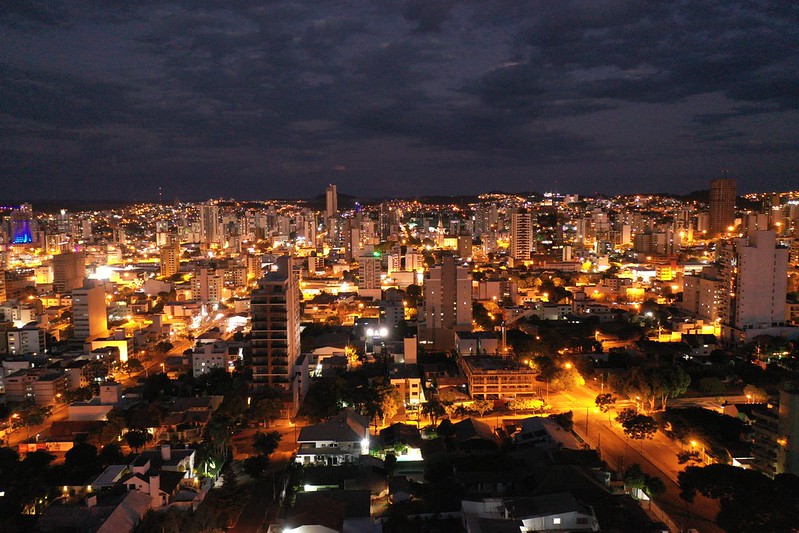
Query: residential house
(342, 439)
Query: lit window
(556, 521)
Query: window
(556, 521)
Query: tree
(636, 425)
(433, 409)
(95, 373)
(670, 382)
(266, 443)
(268, 409)
(605, 402)
(526, 404)
(218, 431)
(163, 347)
(748, 500)
(136, 438)
(656, 383)
(80, 462)
(712, 385)
(254, 466)
(566, 379)
(482, 406)
(634, 477)
(111, 454)
(390, 463)
(390, 401)
(81, 394)
(31, 416)
(755, 394)
(132, 366)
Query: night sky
(387, 98)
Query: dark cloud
(253, 99)
(429, 15)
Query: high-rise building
(275, 308)
(209, 223)
(447, 303)
(331, 205)
(23, 226)
(754, 271)
(521, 237)
(207, 285)
(69, 269)
(3, 296)
(788, 432)
(722, 206)
(369, 270)
(89, 314)
(702, 293)
(170, 256)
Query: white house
(342, 439)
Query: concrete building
(521, 237)
(722, 206)
(275, 308)
(369, 270)
(765, 432)
(788, 432)
(497, 377)
(207, 285)
(447, 303)
(89, 314)
(209, 223)
(69, 270)
(331, 201)
(212, 355)
(341, 440)
(27, 339)
(703, 293)
(49, 388)
(170, 256)
(754, 272)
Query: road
(657, 457)
(43, 430)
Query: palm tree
(433, 409)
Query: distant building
(722, 206)
(521, 237)
(207, 285)
(703, 293)
(331, 201)
(369, 270)
(209, 223)
(170, 256)
(447, 303)
(69, 270)
(89, 314)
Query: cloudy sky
(395, 98)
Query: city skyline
(399, 99)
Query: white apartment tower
(755, 276)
